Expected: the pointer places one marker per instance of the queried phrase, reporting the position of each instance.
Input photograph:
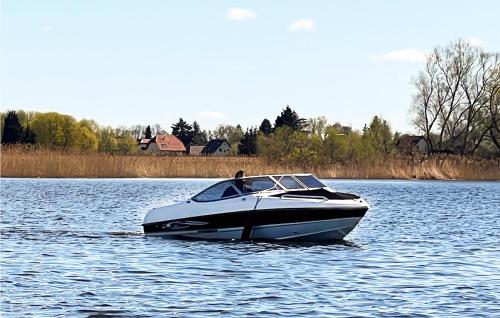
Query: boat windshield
(219, 191)
(288, 182)
(256, 184)
(310, 181)
(297, 182)
(236, 187)
(233, 188)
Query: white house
(412, 144)
(217, 147)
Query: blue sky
(147, 62)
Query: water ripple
(75, 248)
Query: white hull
(310, 231)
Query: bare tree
(476, 105)
(453, 106)
(493, 102)
(137, 131)
(425, 106)
(157, 129)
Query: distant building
(163, 145)
(195, 150)
(412, 144)
(217, 147)
(143, 143)
(343, 130)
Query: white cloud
(401, 55)
(475, 41)
(302, 25)
(210, 115)
(240, 14)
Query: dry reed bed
(55, 164)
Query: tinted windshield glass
(310, 181)
(257, 184)
(290, 183)
(219, 191)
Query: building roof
(195, 150)
(408, 141)
(213, 145)
(169, 143)
(144, 141)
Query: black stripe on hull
(249, 219)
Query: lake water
(74, 248)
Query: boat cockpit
(298, 185)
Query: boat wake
(38, 234)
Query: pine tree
(290, 118)
(12, 129)
(147, 133)
(28, 137)
(200, 137)
(248, 143)
(183, 131)
(265, 127)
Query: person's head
(239, 174)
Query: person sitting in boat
(239, 182)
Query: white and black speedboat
(271, 207)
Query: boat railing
(300, 196)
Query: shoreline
(17, 163)
(223, 178)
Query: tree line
(297, 140)
(58, 131)
(313, 141)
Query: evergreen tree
(290, 118)
(248, 143)
(12, 129)
(265, 127)
(183, 131)
(147, 133)
(29, 136)
(200, 137)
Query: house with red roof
(163, 145)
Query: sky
(123, 63)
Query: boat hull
(319, 224)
